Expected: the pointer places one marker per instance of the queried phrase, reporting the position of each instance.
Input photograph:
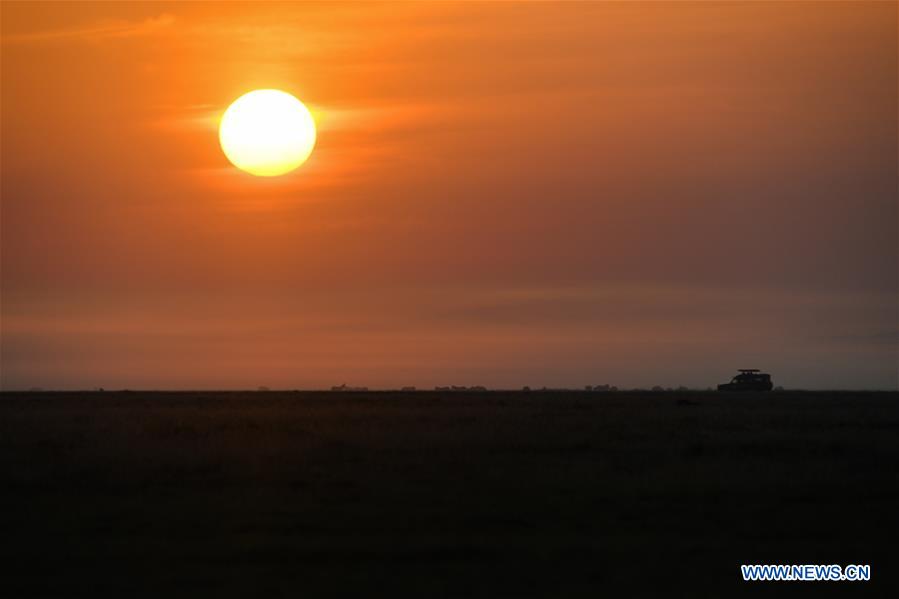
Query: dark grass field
(443, 495)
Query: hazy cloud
(102, 30)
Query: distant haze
(502, 194)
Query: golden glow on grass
(267, 132)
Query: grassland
(443, 494)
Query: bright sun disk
(267, 132)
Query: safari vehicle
(749, 379)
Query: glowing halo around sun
(267, 133)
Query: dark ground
(443, 495)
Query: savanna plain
(456, 494)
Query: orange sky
(501, 194)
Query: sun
(267, 132)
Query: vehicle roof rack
(749, 370)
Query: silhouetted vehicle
(749, 379)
